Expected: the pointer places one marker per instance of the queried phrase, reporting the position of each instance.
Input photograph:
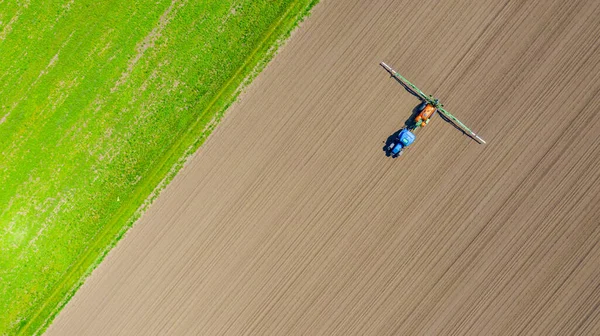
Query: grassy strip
(166, 171)
(160, 173)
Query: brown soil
(290, 220)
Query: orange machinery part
(427, 112)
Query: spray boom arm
(435, 102)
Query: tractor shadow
(391, 139)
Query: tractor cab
(406, 137)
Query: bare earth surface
(291, 220)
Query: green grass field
(100, 104)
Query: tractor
(429, 105)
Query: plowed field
(291, 220)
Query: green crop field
(100, 104)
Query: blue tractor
(404, 138)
